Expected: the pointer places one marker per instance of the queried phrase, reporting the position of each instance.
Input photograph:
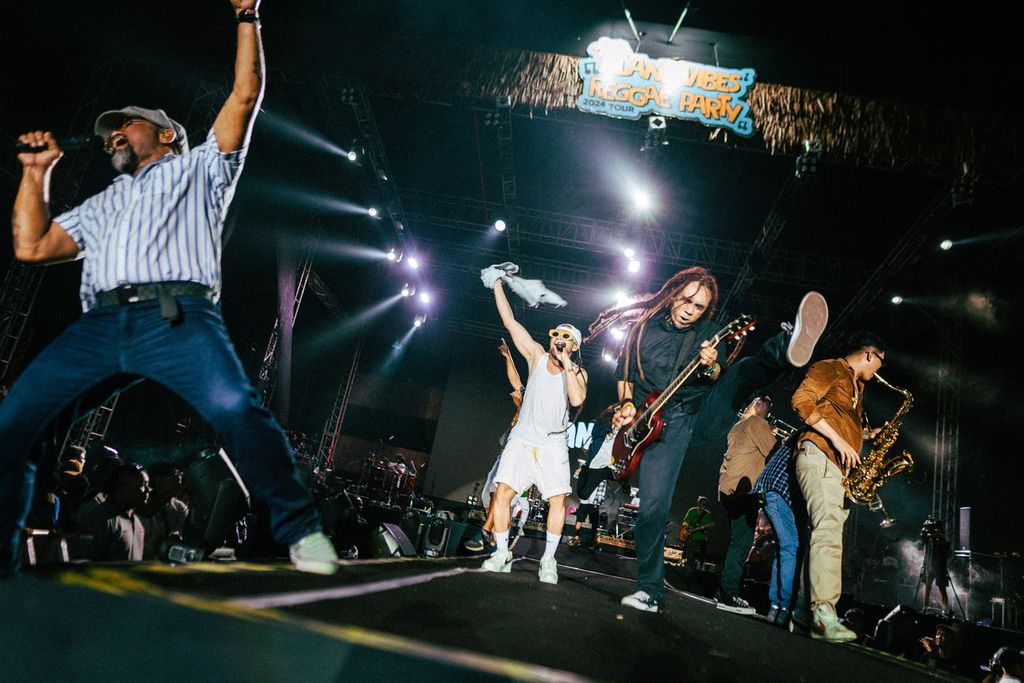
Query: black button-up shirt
(659, 349)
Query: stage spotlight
(946, 245)
(394, 255)
(642, 199)
(634, 266)
(500, 225)
(607, 357)
(656, 123)
(629, 252)
(408, 290)
(618, 333)
(373, 212)
(622, 299)
(420, 319)
(896, 299)
(352, 156)
(425, 297)
(414, 262)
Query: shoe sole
(505, 569)
(322, 568)
(736, 610)
(811, 319)
(551, 581)
(844, 639)
(638, 605)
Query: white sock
(551, 545)
(501, 540)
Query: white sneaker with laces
(826, 626)
(314, 554)
(811, 318)
(498, 562)
(548, 570)
(642, 601)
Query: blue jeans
(780, 590)
(659, 470)
(194, 359)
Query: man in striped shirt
(151, 279)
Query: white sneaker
(548, 570)
(826, 626)
(498, 562)
(641, 601)
(314, 554)
(811, 318)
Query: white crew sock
(551, 545)
(501, 540)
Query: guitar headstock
(738, 328)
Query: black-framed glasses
(881, 358)
(108, 146)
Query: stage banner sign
(623, 84)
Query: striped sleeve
(71, 222)
(222, 168)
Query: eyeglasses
(881, 358)
(561, 334)
(109, 146)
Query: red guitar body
(633, 438)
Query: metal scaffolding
(945, 501)
(671, 247)
(266, 378)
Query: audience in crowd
(164, 513)
(114, 523)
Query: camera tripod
(926, 579)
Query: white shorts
(546, 467)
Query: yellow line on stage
(120, 582)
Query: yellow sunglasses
(555, 334)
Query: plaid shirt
(777, 473)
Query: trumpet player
(830, 401)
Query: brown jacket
(828, 392)
(751, 440)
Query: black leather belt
(130, 294)
(166, 292)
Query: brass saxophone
(863, 482)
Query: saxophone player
(830, 401)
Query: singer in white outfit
(537, 452)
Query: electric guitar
(685, 533)
(646, 426)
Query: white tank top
(544, 417)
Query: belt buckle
(127, 294)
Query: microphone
(66, 144)
(560, 346)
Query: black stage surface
(396, 619)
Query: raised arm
(530, 349)
(234, 122)
(37, 239)
(510, 368)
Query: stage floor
(401, 619)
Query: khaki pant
(821, 482)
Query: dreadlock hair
(638, 313)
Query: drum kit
(387, 482)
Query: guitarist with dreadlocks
(537, 452)
(667, 331)
(671, 328)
